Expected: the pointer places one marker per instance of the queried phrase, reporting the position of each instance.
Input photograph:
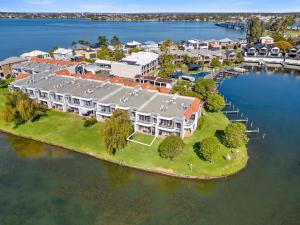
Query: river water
(41, 184)
(20, 35)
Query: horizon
(155, 6)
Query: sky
(131, 6)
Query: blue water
(41, 184)
(20, 35)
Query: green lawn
(66, 130)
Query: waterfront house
(150, 46)
(138, 63)
(7, 64)
(294, 53)
(250, 51)
(230, 54)
(63, 54)
(226, 43)
(263, 50)
(36, 54)
(133, 44)
(84, 51)
(150, 111)
(156, 81)
(275, 52)
(267, 40)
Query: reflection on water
(118, 177)
(30, 149)
(26, 148)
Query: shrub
(215, 63)
(205, 87)
(235, 136)
(207, 148)
(214, 103)
(171, 147)
(201, 122)
(89, 122)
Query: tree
(103, 41)
(235, 136)
(255, 29)
(115, 41)
(207, 148)
(117, 55)
(19, 109)
(116, 131)
(136, 49)
(167, 67)
(205, 87)
(53, 50)
(165, 46)
(184, 88)
(227, 62)
(239, 57)
(103, 53)
(284, 46)
(214, 103)
(215, 63)
(84, 42)
(171, 147)
(202, 64)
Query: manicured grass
(67, 130)
(143, 138)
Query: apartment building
(139, 63)
(151, 112)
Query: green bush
(201, 122)
(235, 136)
(89, 122)
(207, 148)
(171, 147)
(205, 87)
(214, 103)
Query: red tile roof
(116, 79)
(194, 107)
(22, 76)
(53, 62)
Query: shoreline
(148, 170)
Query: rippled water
(21, 35)
(40, 184)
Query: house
(139, 63)
(250, 50)
(156, 81)
(63, 54)
(226, 42)
(230, 54)
(214, 45)
(133, 44)
(6, 66)
(36, 54)
(275, 52)
(38, 65)
(150, 111)
(150, 46)
(267, 40)
(203, 45)
(294, 52)
(84, 51)
(104, 64)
